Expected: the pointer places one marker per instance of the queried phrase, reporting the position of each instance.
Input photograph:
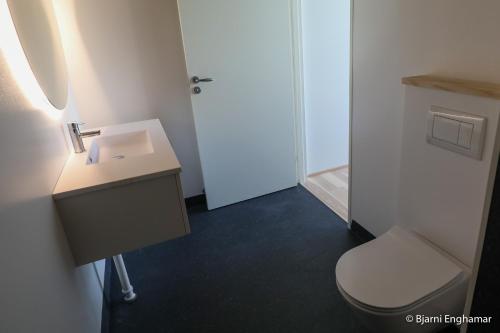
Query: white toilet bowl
(395, 280)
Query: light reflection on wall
(18, 64)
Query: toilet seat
(395, 272)
(406, 309)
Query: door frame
(299, 106)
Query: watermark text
(447, 319)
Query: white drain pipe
(127, 289)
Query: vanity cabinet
(125, 204)
(108, 222)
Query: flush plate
(457, 131)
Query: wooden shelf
(467, 87)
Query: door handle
(197, 80)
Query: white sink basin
(122, 153)
(119, 146)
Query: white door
(244, 118)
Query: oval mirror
(38, 32)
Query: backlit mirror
(38, 32)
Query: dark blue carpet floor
(263, 265)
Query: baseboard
(361, 233)
(106, 299)
(196, 201)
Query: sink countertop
(79, 177)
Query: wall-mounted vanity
(121, 194)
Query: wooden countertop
(467, 87)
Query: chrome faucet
(76, 136)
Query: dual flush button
(456, 131)
(453, 131)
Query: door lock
(196, 90)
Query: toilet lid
(395, 270)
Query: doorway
(270, 88)
(326, 35)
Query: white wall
(392, 39)
(326, 42)
(443, 194)
(126, 63)
(41, 290)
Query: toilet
(392, 280)
(421, 267)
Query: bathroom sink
(119, 146)
(121, 153)
(122, 194)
